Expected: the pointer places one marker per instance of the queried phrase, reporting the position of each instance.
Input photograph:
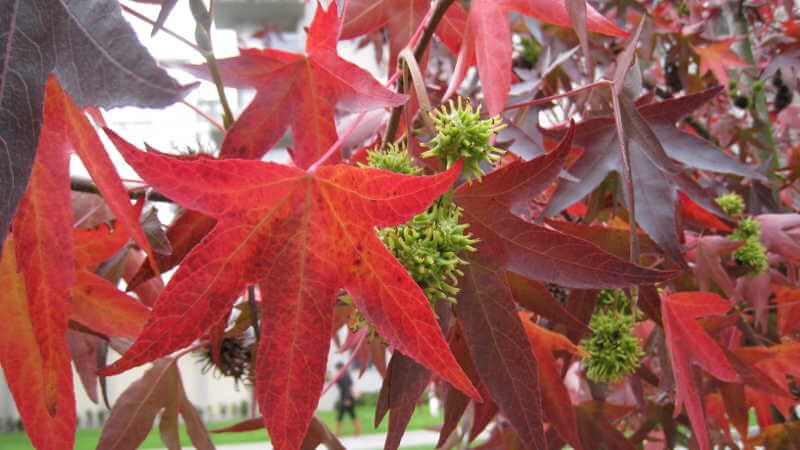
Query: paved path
(366, 442)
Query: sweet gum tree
(590, 240)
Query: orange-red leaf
(24, 366)
(555, 398)
(688, 343)
(304, 235)
(100, 306)
(43, 244)
(717, 58)
(93, 246)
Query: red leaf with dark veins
(689, 344)
(487, 40)
(301, 91)
(405, 382)
(555, 398)
(43, 245)
(401, 18)
(305, 236)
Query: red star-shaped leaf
(303, 236)
(300, 91)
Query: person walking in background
(347, 401)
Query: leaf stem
(548, 99)
(213, 67)
(202, 114)
(627, 182)
(419, 52)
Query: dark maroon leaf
(166, 8)
(404, 384)
(501, 352)
(484, 413)
(84, 349)
(455, 402)
(533, 251)
(596, 429)
(135, 410)
(319, 434)
(656, 184)
(535, 297)
(497, 342)
(581, 303)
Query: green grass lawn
(87, 439)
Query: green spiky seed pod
(429, 246)
(462, 134)
(531, 49)
(614, 352)
(752, 253)
(747, 228)
(732, 203)
(394, 158)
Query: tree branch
(87, 186)
(419, 52)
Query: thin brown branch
(87, 186)
(419, 52)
